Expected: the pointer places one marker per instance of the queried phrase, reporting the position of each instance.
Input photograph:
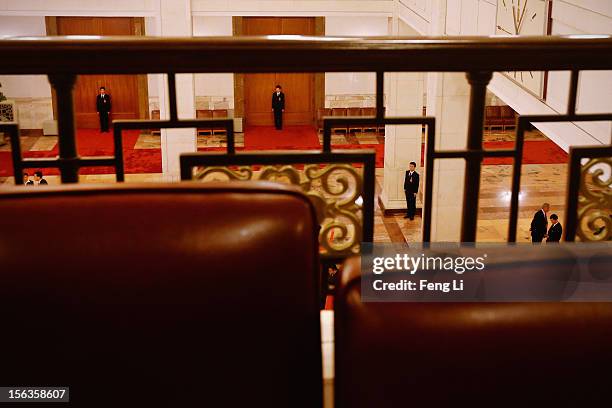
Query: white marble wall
(87, 8)
(215, 102)
(201, 102)
(449, 103)
(293, 7)
(350, 101)
(176, 21)
(402, 142)
(32, 112)
(213, 91)
(404, 97)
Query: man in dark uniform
(38, 178)
(26, 179)
(103, 107)
(555, 231)
(539, 224)
(411, 188)
(278, 106)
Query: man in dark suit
(38, 178)
(539, 224)
(103, 107)
(411, 188)
(26, 179)
(278, 106)
(555, 231)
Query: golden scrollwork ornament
(595, 200)
(334, 189)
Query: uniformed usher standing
(103, 107)
(278, 106)
(411, 188)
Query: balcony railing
(63, 58)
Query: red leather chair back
(368, 111)
(220, 114)
(354, 112)
(493, 115)
(170, 295)
(469, 354)
(507, 112)
(322, 112)
(204, 114)
(339, 111)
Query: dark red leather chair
(173, 295)
(469, 354)
(508, 117)
(493, 117)
(204, 114)
(369, 112)
(354, 112)
(339, 112)
(219, 114)
(155, 116)
(322, 113)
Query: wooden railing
(63, 58)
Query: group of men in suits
(103, 107)
(38, 179)
(539, 226)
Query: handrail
(63, 58)
(85, 54)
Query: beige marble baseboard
(32, 112)
(202, 102)
(350, 101)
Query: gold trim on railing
(334, 190)
(595, 200)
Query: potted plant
(2, 97)
(7, 109)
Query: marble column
(403, 97)
(448, 100)
(176, 21)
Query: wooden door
(122, 88)
(298, 87)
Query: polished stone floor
(539, 183)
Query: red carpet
(290, 138)
(92, 143)
(534, 152)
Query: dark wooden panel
(122, 88)
(262, 25)
(258, 98)
(298, 87)
(78, 26)
(116, 26)
(299, 97)
(297, 26)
